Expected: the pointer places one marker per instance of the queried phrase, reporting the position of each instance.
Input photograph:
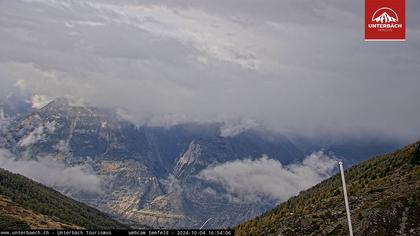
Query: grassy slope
(28, 204)
(13, 216)
(384, 199)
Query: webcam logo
(384, 20)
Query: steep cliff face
(148, 173)
(187, 159)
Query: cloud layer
(53, 173)
(254, 180)
(3, 120)
(299, 66)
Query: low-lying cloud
(39, 101)
(38, 134)
(56, 174)
(3, 120)
(254, 180)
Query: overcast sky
(291, 65)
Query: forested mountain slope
(384, 194)
(25, 204)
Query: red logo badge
(384, 20)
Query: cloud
(173, 185)
(297, 66)
(53, 173)
(62, 146)
(4, 121)
(254, 180)
(38, 134)
(33, 137)
(231, 129)
(39, 101)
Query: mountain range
(149, 175)
(143, 175)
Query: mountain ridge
(384, 195)
(26, 204)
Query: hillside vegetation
(25, 204)
(384, 194)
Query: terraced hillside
(25, 204)
(384, 200)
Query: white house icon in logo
(385, 15)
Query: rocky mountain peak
(187, 158)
